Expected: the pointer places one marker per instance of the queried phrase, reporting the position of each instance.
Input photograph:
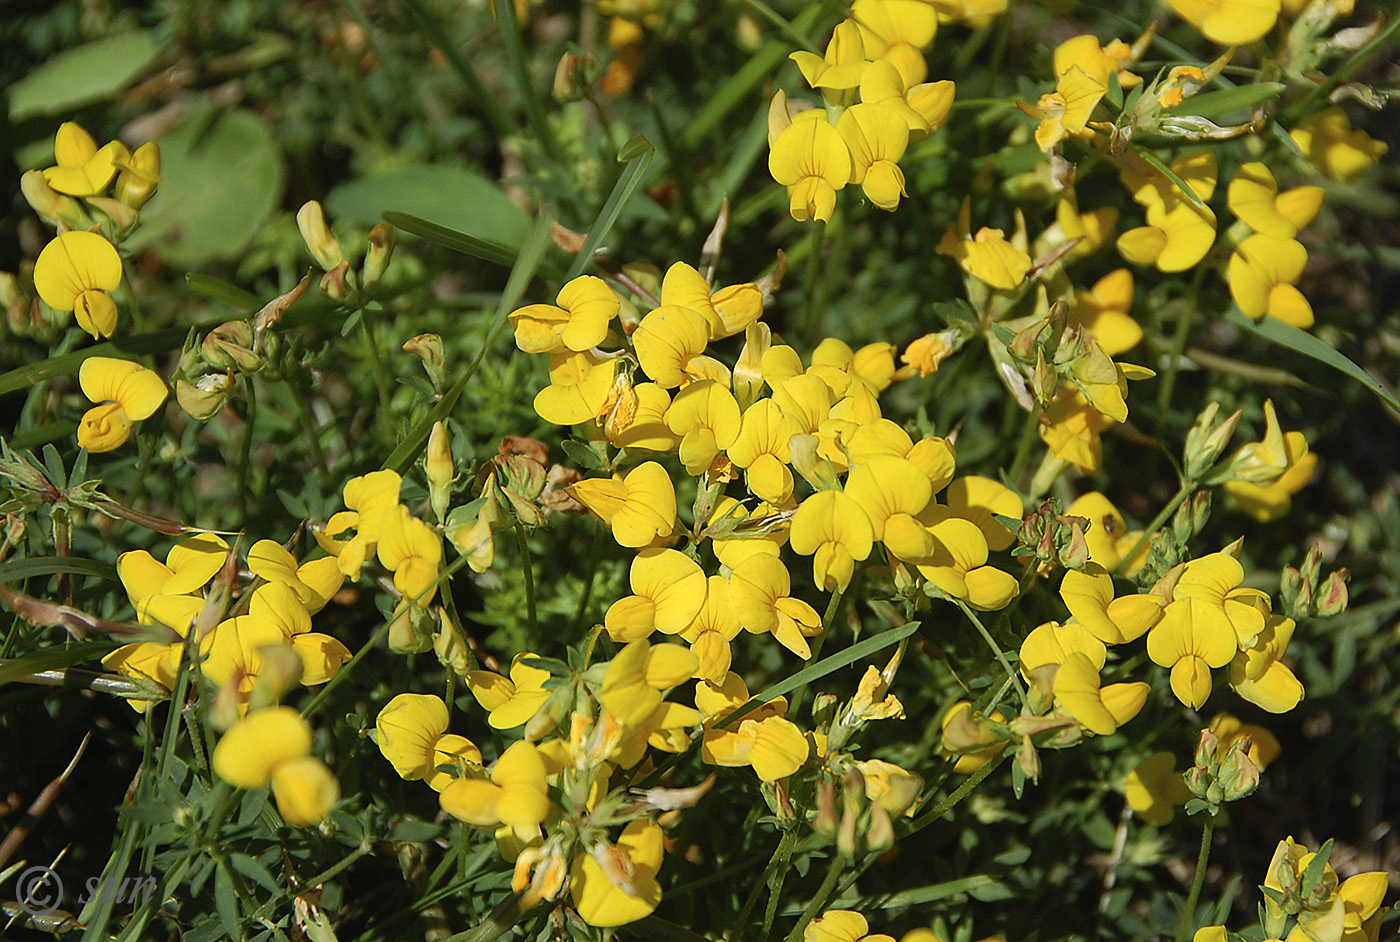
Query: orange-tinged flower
(1097, 60)
(74, 272)
(125, 392)
(1066, 110)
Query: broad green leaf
(451, 238)
(638, 153)
(1240, 98)
(85, 74)
(221, 177)
(1305, 343)
(17, 569)
(454, 198)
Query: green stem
(809, 289)
(449, 605)
(783, 26)
(308, 427)
(827, 618)
(519, 65)
(1023, 447)
(833, 876)
(1183, 333)
(781, 854)
(1188, 915)
(588, 580)
(381, 378)
(957, 795)
(437, 35)
(245, 452)
(527, 565)
(1159, 521)
(783, 858)
(996, 648)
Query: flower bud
(449, 646)
(411, 630)
(1331, 598)
(825, 822)
(1028, 759)
(339, 282)
(428, 348)
(381, 250)
(879, 834)
(1207, 440)
(49, 203)
(1239, 775)
(202, 399)
(438, 464)
(318, 236)
(123, 216)
(140, 177)
(230, 347)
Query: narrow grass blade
(637, 153)
(450, 238)
(17, 569)
(159, 341)
(1300, 341)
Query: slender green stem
(328, 686)
(957, 795)
(449, 605)
(381, 378)
(1158, 522)
(527, 565)
(1023, 447)
(245, 451)
(808, 320)
(308, 427)
(783, 859)
(1188, 915)
(819, 900)
(436, 33)
(784, 27)
(589, 578)
(1183, 333)
(829, 616)
(520, 66)
(781, 855)
(996, 648)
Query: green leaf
(453, 198)
(219, 290)
(221, 177)
(638, 153)
(254, 871)
(55, 658)
(583, 455)
(88, 73)
(1300, 341)
(226, 901)
(1240, 98)
(827, 665)
(451, 238)
(18, 569)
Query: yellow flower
(1258, 673)
(125, 392)
(83, 169)
(314, 581)
(710, 632)
(897, 31)
(635, 678)
(812, 160)
(706, 416)
(988, 257)
(841, 925)
(615, 884)
(1173, 240)
(1108, 535)
(1262, 271)
(188, 567)
(369, 497)
(407, 730)
(1264, 746)
(1254, 197)
(1155, 788)
(1066, 110)
(838, 72)
(1331, 145)
(579, 384)
(832, 528)
(516, 795)
(671, 343)
(1099, 710)
(1191, 639)
(1071, 427)
(513, 701)
(668, 592)
(759, 596)
(1098, 61)
(640, 507)
(728, 311)
(1089, 598)
(578, 322)
(927, 352)
(412, 551)
(273, 745)
(893, 492)
(140, 177)
(1229, 22)
(761, 449)
(876, 137)
(643, 423)
(1270, 502)
(1092, 228)
(981, 500)
(1053, 643)
(1263, 461)
(764, 739)
(958, 567)
(74, 272)
(1103, 312)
